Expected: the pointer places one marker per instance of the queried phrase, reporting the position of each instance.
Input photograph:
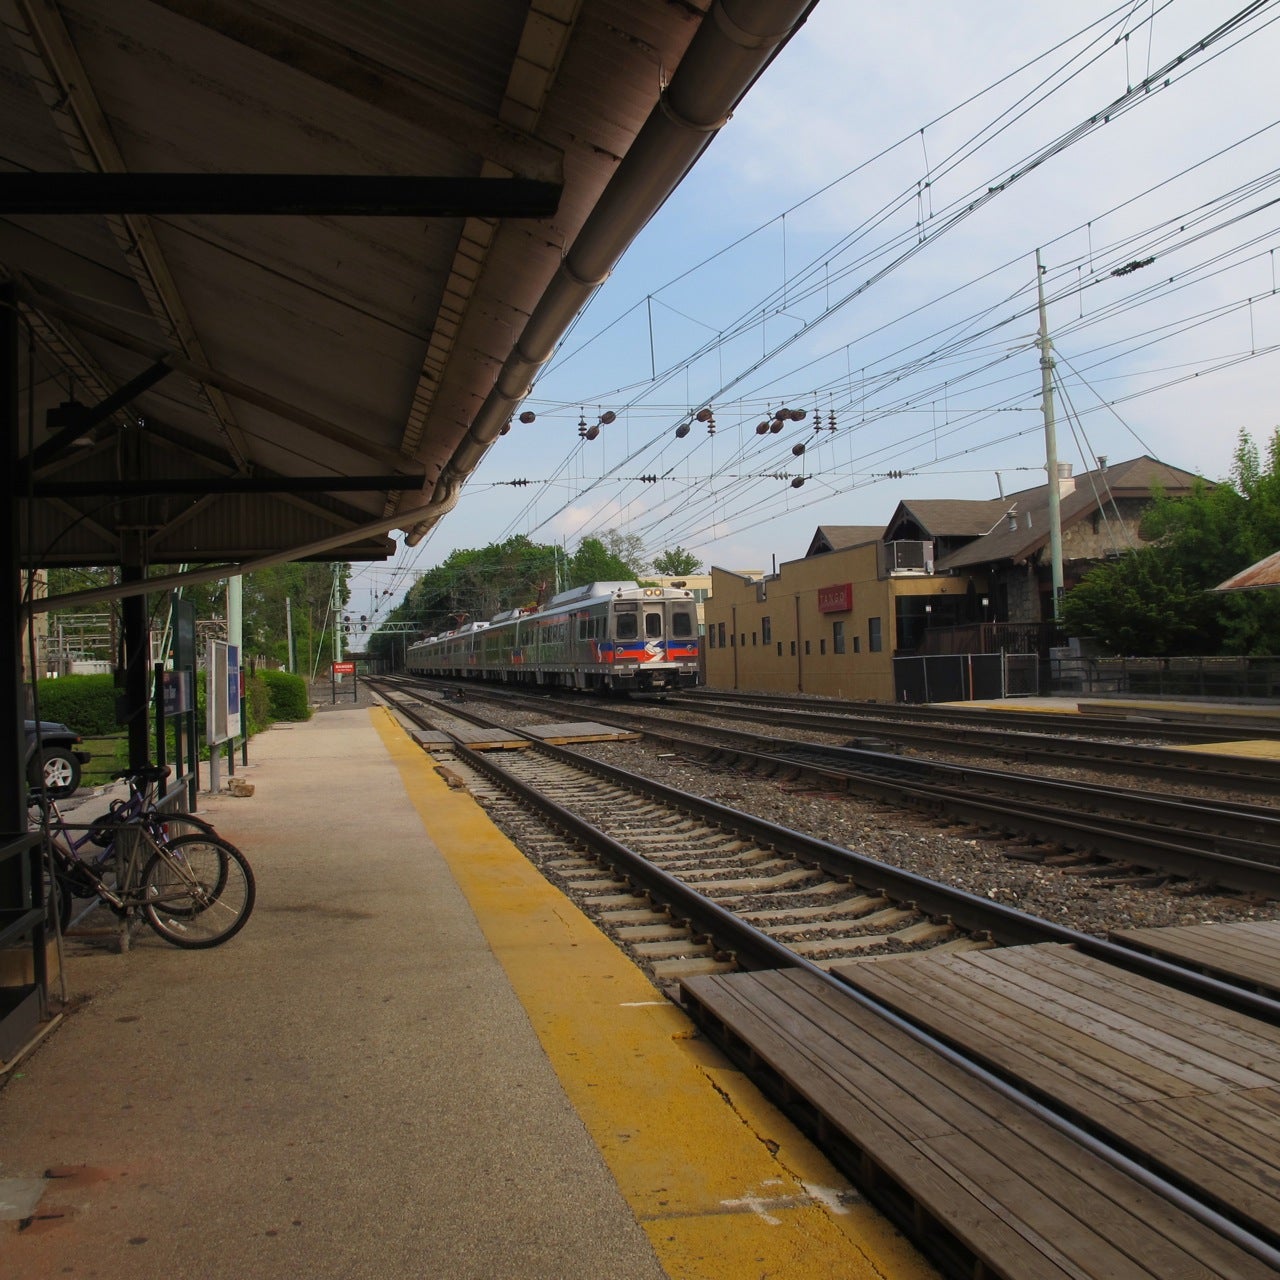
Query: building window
(711, 638)
(733, 639)
(793, 648)
(857, 644)
(779, 648)
(720, 631)
(837, 637)
(742, 639)
(766, 630)
(806, 648)
(753, 639)
(822, 644)
(874, 642)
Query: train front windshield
(657, 624)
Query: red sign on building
(837, 599)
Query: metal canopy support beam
(294, 194)
(85, 419)
(13, 812)
(46, 305)
(218, 485)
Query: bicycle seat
(147, 773)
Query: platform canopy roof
(1262, 576)
(284, 270)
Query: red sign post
(345, 669)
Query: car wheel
(59, 771)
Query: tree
(1142, 604)
(594, 562)
(472, 584)
(676, 562)
(1159, 600)
(626, 547)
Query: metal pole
(335, 606)
(288, 632)
(1050, 446)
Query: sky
(859, 242)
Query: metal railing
(1245, 678)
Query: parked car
(52, 758)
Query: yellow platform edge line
(722, 1183)
(1258, 748)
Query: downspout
(733, 641)
(722, 62)
(799, 649)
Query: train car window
(627, 626)
(681, 623)
(653, 626)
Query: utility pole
(335, 607)
(1050, 446)
(288, 632)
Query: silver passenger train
(606, 636)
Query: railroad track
(1051, 739)
(1138, 833)
(689, 885)
(1177, 724)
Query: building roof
(951, 517)
(1092, 491)
(1265, 573)
(839, 537)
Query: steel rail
(1147, 721)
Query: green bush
(86, 703)
(288, 695)
(257, 704)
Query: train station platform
(418, 1059)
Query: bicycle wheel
(166, 828)
(197, 891)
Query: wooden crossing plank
(582, 731)
(1247, 952)
(1191, 1097)
(1012, 1189)
(1180, 1011)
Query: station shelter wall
(824, 625)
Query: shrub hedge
(288, 695)
(86, 703)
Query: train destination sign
(836, 599)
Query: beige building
(826, 624)
(950, 580)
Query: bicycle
(195, 889)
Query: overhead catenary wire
(636, 453)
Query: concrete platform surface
(417, 1060)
